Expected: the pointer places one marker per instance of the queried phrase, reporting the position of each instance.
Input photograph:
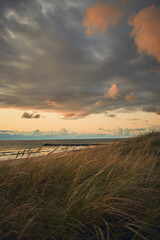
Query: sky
(79, 68)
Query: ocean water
(27, 148)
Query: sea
(27, 148)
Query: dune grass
(106, 192)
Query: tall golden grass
(107, 192)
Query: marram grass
(106, 192)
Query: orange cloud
(131, 97)
(112, 92)
(146, 31)
(74, 115)
(100, 17)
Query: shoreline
(58, 149)
(46, 156)
(11, 151)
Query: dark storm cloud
(48, 62)
(30, 115)
(111, 115)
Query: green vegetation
(105, 192)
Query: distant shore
(49, 155)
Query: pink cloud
(99, 17)
(112, 92)
(146, 31)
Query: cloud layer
(47, 61)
